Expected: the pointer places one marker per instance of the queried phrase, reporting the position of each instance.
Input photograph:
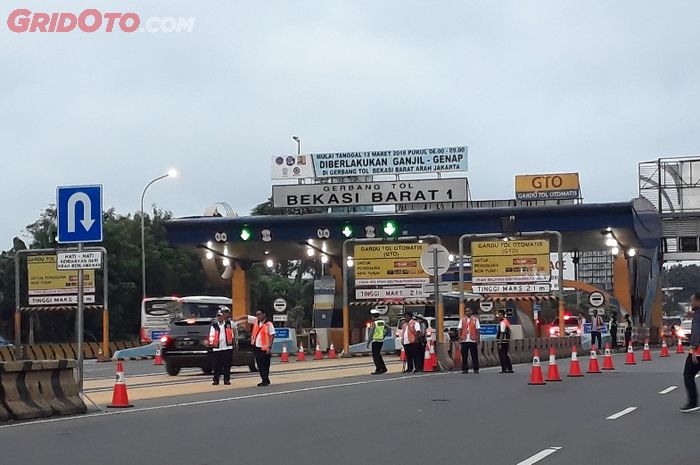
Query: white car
(683, 331)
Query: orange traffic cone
(679, 347)
(536, 375)
(630, 356)
(285, 354)
(120, 399)
(593, 366)
(427, 360)
(433, 355)
(607, 359)
(158, 360)
(403, 354)
(664, 349)
(331, 352)
(457, 356)
(318, 355)
(553, 372)
(575, 368)
(300, 353)
(646, 356)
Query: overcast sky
(529, 86)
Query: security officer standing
(692, 363)
(261, 339)
(221, 342)
(597, 330)
(410, 338)
(469, 337)
(503, 340)
(375, 338)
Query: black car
(186, 344)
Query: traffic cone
(120, 399)
(646, 356)
(101, 356)
(679, 347)
(593, 366)
(300, 353)
(630, 356)
(285, 354)
(318, 355)
(536, 375)
(607, 359)
(331, 352)
(664, 349)
(427, 360)
(433, 355)
(158, 360)
(553, 372)
(457, 356)
(575, 368)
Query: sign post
(435, 261)
(71, 230)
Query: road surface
(350, 418)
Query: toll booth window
(689, 244)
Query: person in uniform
(627, 324)
(221, 342)
(692, 363)
(469, 338)
(261, 339)
(410, 338)
(375, 339)
(503, 341)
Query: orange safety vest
(469, 324)
(264, 336)
(214, 340)
(410, 327)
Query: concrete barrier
(7, 355)
(38, 389)
(135, 353)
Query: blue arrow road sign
(79, 212)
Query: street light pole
(298, 141)
(170, 174)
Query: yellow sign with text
(383, 264)
(514, 261)
(404, 251)
(44, 279)
(563, 186)
(509, 248)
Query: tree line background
(169, 271)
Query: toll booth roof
(254, 238)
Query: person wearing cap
(221, 342)
(262, 337)
(410, 338)
(375, 338)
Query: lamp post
(298, 141)
(170, 174)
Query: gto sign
(563, 186)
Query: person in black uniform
(503, 340)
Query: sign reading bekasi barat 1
(512, 262)
(370, 193)
(387, 264)
(564, 186)
(371, 163)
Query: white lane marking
(622, 413)
(539, 456)
(226, 399)
(667, 390)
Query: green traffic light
(347, 231)
(245, 234)
(390, 228)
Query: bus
(158, 312)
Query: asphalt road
(417, 419)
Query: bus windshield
(201, 310)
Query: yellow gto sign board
(517, 261)
(54, 286)
(384, 264)
(564, 186)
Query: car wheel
(172, 370)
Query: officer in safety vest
(261, 339)
(503, 340)
(469, 338)
(221, 342)
(410, 339)
(375, 338)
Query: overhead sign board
(387, 264)
(564, 186)
(370, 193)
(79, 261)
(371, 163)
(511, 288)
(79, 214)
(389, 293)
(515, 261)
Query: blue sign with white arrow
(79, 213)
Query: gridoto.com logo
(92, 20)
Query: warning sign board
(515, 261)
(45, 280)
(387, 264)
